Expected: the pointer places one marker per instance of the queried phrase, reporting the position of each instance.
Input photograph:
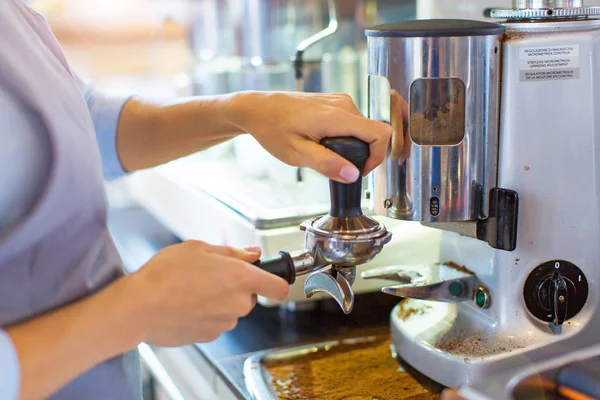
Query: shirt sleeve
(9, 369)
(105, 110)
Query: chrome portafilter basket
(335, 244)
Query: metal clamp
(444, 282)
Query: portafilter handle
(346, 197)
(281, 265)
(288, 266)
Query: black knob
(281, 265)
(555, 291)
(346, 197)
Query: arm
(151, 134)
(188, 293)
(288, 125)
(56, 347)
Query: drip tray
(351, 369)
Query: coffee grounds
(445, 126)
(364, 371)
(405, 312)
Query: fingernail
(253, 249)
(349, 174)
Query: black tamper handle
(346, 197)
(281, 265)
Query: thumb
(328, 163)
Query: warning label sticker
(549, 63)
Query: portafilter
(335, 244)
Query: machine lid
(436, 28)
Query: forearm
(151, 134)
(56, 347)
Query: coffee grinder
(495, 129)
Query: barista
(70, 320)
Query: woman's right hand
(193, 292)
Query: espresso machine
(494, 143)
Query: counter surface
(270, 328)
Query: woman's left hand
(291, 125)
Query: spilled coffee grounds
(365, 371)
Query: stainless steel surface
(455, 163)
(270, 30)
(309, 42)
(257, 378)
(552, 13)
(304, 263)
(334, 247)
(159, 372)
(544, 9)
(338, 287)
(345, 241)
(440, 282)
(264, 203)
(547, 3)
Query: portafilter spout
(341, 240)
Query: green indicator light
(481, 298)
(456, 289)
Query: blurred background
(236, 193)
(174, 48)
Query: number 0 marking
(556, 265)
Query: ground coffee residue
(405, 312)
(364, 371)
(476, 344)
(443, 126)
(459, 268)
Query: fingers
(249, 255)
(328, 163)
(245, 277)
(244, 273)
(265, 284)
(376, 134)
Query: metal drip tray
(382, 377)
(264, 203)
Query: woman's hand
(193, 292)
(291, 125)
(188, 293)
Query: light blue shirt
(24, 162)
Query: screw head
(561, 298)
(482, 298)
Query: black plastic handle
(281, 265)
(559, 298)
(346, 197)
